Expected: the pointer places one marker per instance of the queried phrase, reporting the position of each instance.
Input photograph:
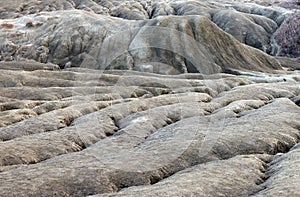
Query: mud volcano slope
(191, 44)
(149, 98)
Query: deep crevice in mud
(263, 180)
(279, 148)
(164, 173)
(269, 172)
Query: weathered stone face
(149, 98)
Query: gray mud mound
(149, 98)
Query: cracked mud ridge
(150, 98)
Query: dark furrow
(274, 170)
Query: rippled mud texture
(149, 98)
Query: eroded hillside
(149, 98)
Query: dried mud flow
(149, 98)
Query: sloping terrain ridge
(149, 98)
